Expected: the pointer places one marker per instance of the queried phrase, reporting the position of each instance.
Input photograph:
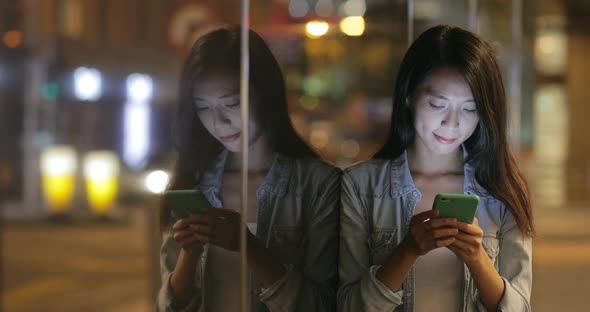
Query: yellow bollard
(101, 173)
(58, 167)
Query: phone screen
(186, 202)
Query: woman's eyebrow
(439, 96)
(233, 93)
(229, 95)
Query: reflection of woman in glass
(293, 196)
(448, 135)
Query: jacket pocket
(288, 243)
(381, 243)
(491, 246)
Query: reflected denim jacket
(378, 201)
(298, 211)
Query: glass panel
(97, 123)
(327, 57)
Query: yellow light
(101, 194)
(353, 25)
(316, 29)
(13, 39)
(101, 171)
(59, 191)
(58, 165)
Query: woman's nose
(451, 119)
(220, 117)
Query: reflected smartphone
(460, 206)
(183, 203)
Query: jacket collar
(275, 182)
(402, 182)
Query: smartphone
(186, 202)
(460, 206)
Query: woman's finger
(444, 232)
(444, 242)
(423, 216)
(446, 222)
(469, 228)
(180, 225)
(196, 237)
(469, 239)
(180, 235)
(200, 218)
(464, 247)
(202, 229)
(193, 219)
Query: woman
(293, 196)
(448, 135)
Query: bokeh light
(13, 39)
(156, 181)
(353, 25)
(316, 29)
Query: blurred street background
(88, 92)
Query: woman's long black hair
(489, 153)
(197, 148)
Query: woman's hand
(226, 228)
(468, 244)
(468, 247)
(427, 233)
(193, 232)
(226, 234)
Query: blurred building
(339, 83)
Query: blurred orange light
(13, 38)
(316, 29)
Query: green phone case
(186, 202)
(460, 206)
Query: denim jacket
(298, 211)
(378, 201)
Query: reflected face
(216, 98)
(445, 112)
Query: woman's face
(445, 112)
(216, 97)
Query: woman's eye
(202, 109)
(470, 110)
(234, 105)
(436, 106)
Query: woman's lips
(230, 138)
(444, 140)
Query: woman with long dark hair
(293, 196)
(447, 135)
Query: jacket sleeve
(313, 288)
(168, 256)
(514, 267)
(359, 289)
